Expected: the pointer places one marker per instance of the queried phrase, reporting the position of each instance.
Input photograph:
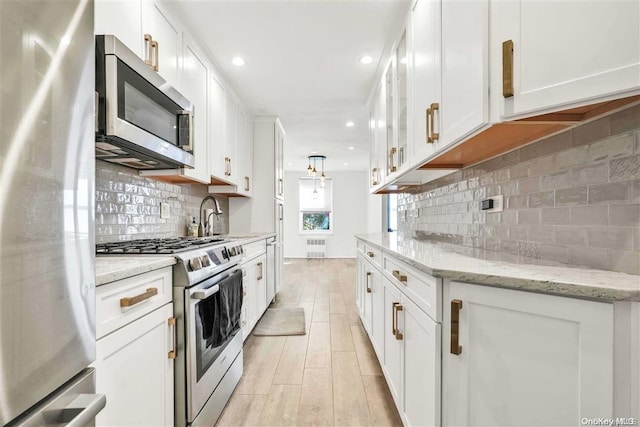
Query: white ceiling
(303, 65)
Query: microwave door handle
(188, 146)
(206, 293)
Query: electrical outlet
(164, 210)
(497, 204)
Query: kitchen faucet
(216, 212)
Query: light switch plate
(164, 210)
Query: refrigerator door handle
(82, 410)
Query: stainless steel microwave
(141, 121)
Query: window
(392, 212)
(315, 206)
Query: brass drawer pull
(396, 307)
(129, 301)
(246, 183)
(428, 119)
(399, 276)
(368, 288)
(371, 254)
(507, 69)
(456, 306)
(434, 107)
(171, 321)
(259, 265)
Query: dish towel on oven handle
(220, 313)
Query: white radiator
(316, 248)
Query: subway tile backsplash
(572, 198)
(128, 205)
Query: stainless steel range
(207, 301)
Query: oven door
(207, 359)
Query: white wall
(354, 211)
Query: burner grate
(156, 246)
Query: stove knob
(195, 264)
(225, 253)
(232, 251)
(241, 249)
(205, 261)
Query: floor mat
(281, 321)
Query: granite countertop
(246, 238)
(483, 267)
(112, 268)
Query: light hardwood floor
(328, 377)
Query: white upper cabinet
(145, 28)
(195, 76)
(464, 75)
(217, 153)
(564, 52)
(165, 42)
(230, 138)
(424, 72)
(449, 73)
(123, 19)
(244, 154)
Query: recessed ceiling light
(314, 152)
(237, 61)
(346, 164)
(366, 59)
(352, 148)
(289, 164)
(349, 124)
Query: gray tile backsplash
(571, 198)
(128, 205)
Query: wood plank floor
(329, 377)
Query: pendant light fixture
(313, 172)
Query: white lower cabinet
(392, 347)
(524, 358)
(254, 281)
(135, 372)
(421, 366)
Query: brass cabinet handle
(147, 50)
(395, 308)
(434, 135)
(280, 185)
(371, 254)
(427, 120)
(246, 183)
(259, 274)
(374, 176)
(171, 321)
(227, 166)
(392, 152)
(156, 61)
(507, 69)
(456, 306)
(401, 277)
(129, 301)
(368, 288)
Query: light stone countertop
(490, 268)
(246, 238)
(112, 268)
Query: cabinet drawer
(373, 254)
(423, 289)
(254, 249)
(124, 301)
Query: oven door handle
(206, 293)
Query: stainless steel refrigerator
(47, 285)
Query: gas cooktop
(157, 246)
